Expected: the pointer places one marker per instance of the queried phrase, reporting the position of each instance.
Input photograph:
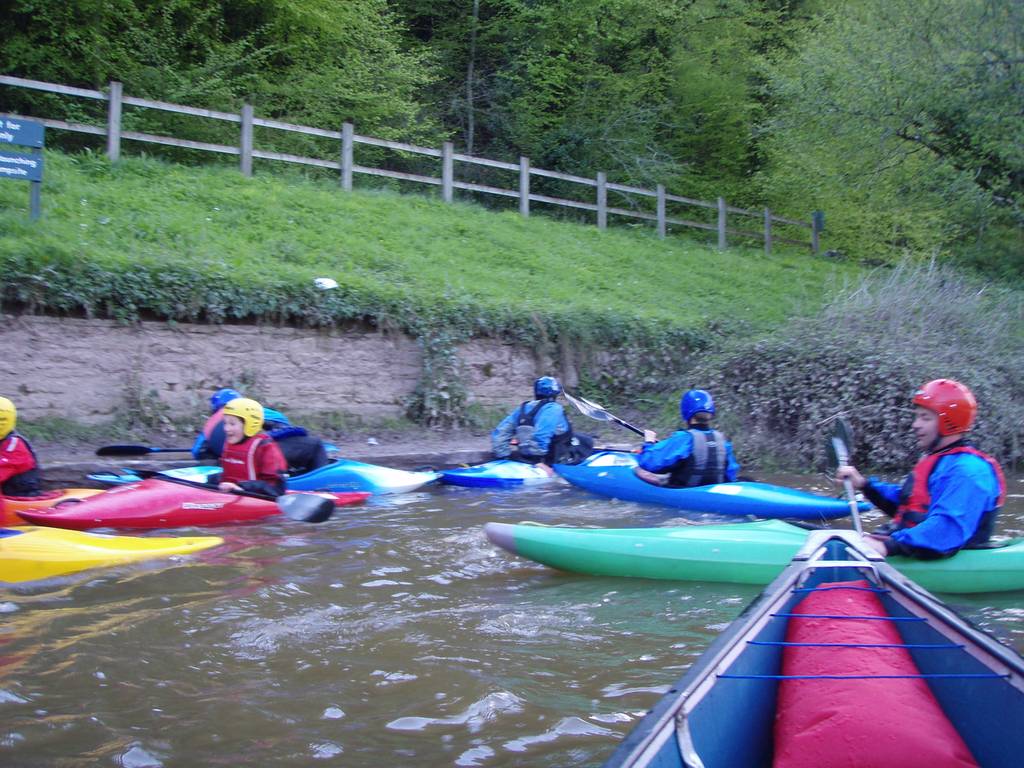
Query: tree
(905, 119)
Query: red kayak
(160, 503)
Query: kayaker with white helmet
(951, 497)
(695, 455)
(251, 460)
(19, 469)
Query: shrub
(863, 355)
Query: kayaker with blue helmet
(303, 452)
(19, 469)
(952, 496)
(538, 431)
(251, 460)
(695, 455)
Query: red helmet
(952, 401)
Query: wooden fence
(447, 181)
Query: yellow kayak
(29, 553)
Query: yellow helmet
(8, 416)
(249, 411)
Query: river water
(394, 634)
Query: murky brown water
(392, 635)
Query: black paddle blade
(837, 444)
(306, 507)
(136, 450)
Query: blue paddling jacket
(964, 491)
(547, 421)
(689, 467)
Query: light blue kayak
(610, 473)
(341, 475)
(502, 473)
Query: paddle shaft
(843, 458)
(136, 450)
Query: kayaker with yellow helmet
(19, 469)
(302, 451)
(952, 496)
(251, 460)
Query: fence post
(817, 225)
(347, 132)
(524, 185)
(721, 224)
(246, 153)
(447, 172)
(114, 120)
(661, 211)
(602, 200)
(767, 232)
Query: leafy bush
(863, 356)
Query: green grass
(150, 239)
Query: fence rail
(345, 165)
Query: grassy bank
(145, 238)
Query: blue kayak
(502, 473)
(341, 475)
(611, 474)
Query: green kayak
(741, 553)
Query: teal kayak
(740, 553)
(611, 474)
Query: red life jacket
(255, 458)
(915, 498)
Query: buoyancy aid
(29, 482)
(706, 463)
(524, 436)
(255, 458)
(915, 499)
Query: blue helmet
(696, 401)
(546, 386)
(222, 397)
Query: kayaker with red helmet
(952, 496)
(695, 455)
(251, 460)
(19, 469)
(538, 431)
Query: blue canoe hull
(611, 474)
(496, 474)
(722, 712)
(339, 476)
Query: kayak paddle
(304, 507)
(838, 451)
(136, 450)
(598, 413)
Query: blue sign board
(20, 167)
(23, 133)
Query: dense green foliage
(902, 119)
(862, 356)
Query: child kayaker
(19, 469)
(695, 455)
(302, 451)
(251, 460)
(952, 496)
